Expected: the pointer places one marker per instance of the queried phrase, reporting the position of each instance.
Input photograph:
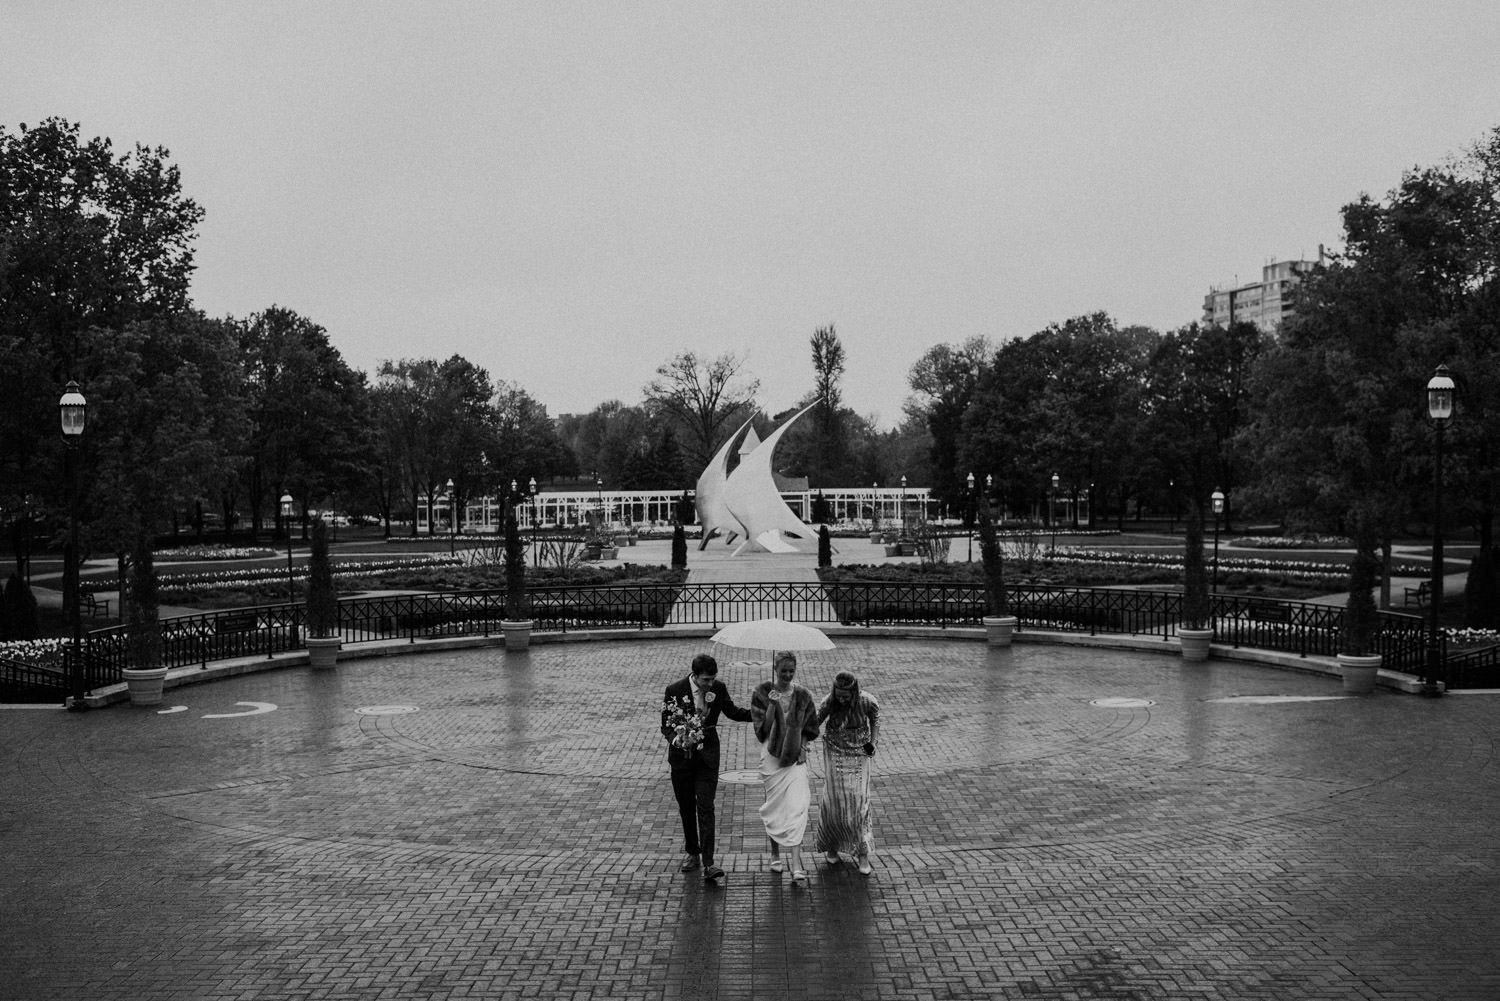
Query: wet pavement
(1051, 822)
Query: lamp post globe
(72, 410)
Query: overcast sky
(570, 194)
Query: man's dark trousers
(695, 782)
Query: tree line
(197, 419)
(1321, 426)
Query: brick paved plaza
(1052, 822)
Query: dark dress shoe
(689, 863)
(712, 873)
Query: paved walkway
(1051, 823)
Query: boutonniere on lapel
(708, 696)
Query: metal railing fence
(1297, 627)
(1474, 669)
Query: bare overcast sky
(569, 194)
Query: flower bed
(1291, 542)
(183, 588)
(45, 653)
(208, 554)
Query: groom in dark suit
(699, 699)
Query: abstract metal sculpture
(713, 513)
(746, 502)
(752, 497)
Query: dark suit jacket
(680, 693)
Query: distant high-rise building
(1265, 303)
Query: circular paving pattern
(979, 747)
(1050, 822)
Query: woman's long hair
(851, 714)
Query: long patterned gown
(844, 823)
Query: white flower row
(208, 553)
(1291, 568)
(39, 653)
(262, 575)
(1292, 542)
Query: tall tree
(308, 408)
(706, 399)
(831, 448)
(407, 416)
(1197, 403)
(943, 381)
(438, 423)
(1065, 401)
(88, 240)
(525, 442)
(467, 432)
(167, 422)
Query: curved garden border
(1294, 635)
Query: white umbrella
(772, 634)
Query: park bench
(96, 605)
(1421, 594)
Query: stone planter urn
(1194, 642)
(323, 651)
(145, 685)
(892, 550)
(877, 537)
(1359, 672)
(999, 629)
(517, 633)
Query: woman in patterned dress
(851, 730)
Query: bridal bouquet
(686, 726)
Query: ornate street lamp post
(1440, 411)
(903, 504)
(1217, 498)
(1052, 512)
(532, 519)
(970, 513)
(452, 519)
(286, 521)
(26, 523)
(72, 410)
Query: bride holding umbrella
(784, 715)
